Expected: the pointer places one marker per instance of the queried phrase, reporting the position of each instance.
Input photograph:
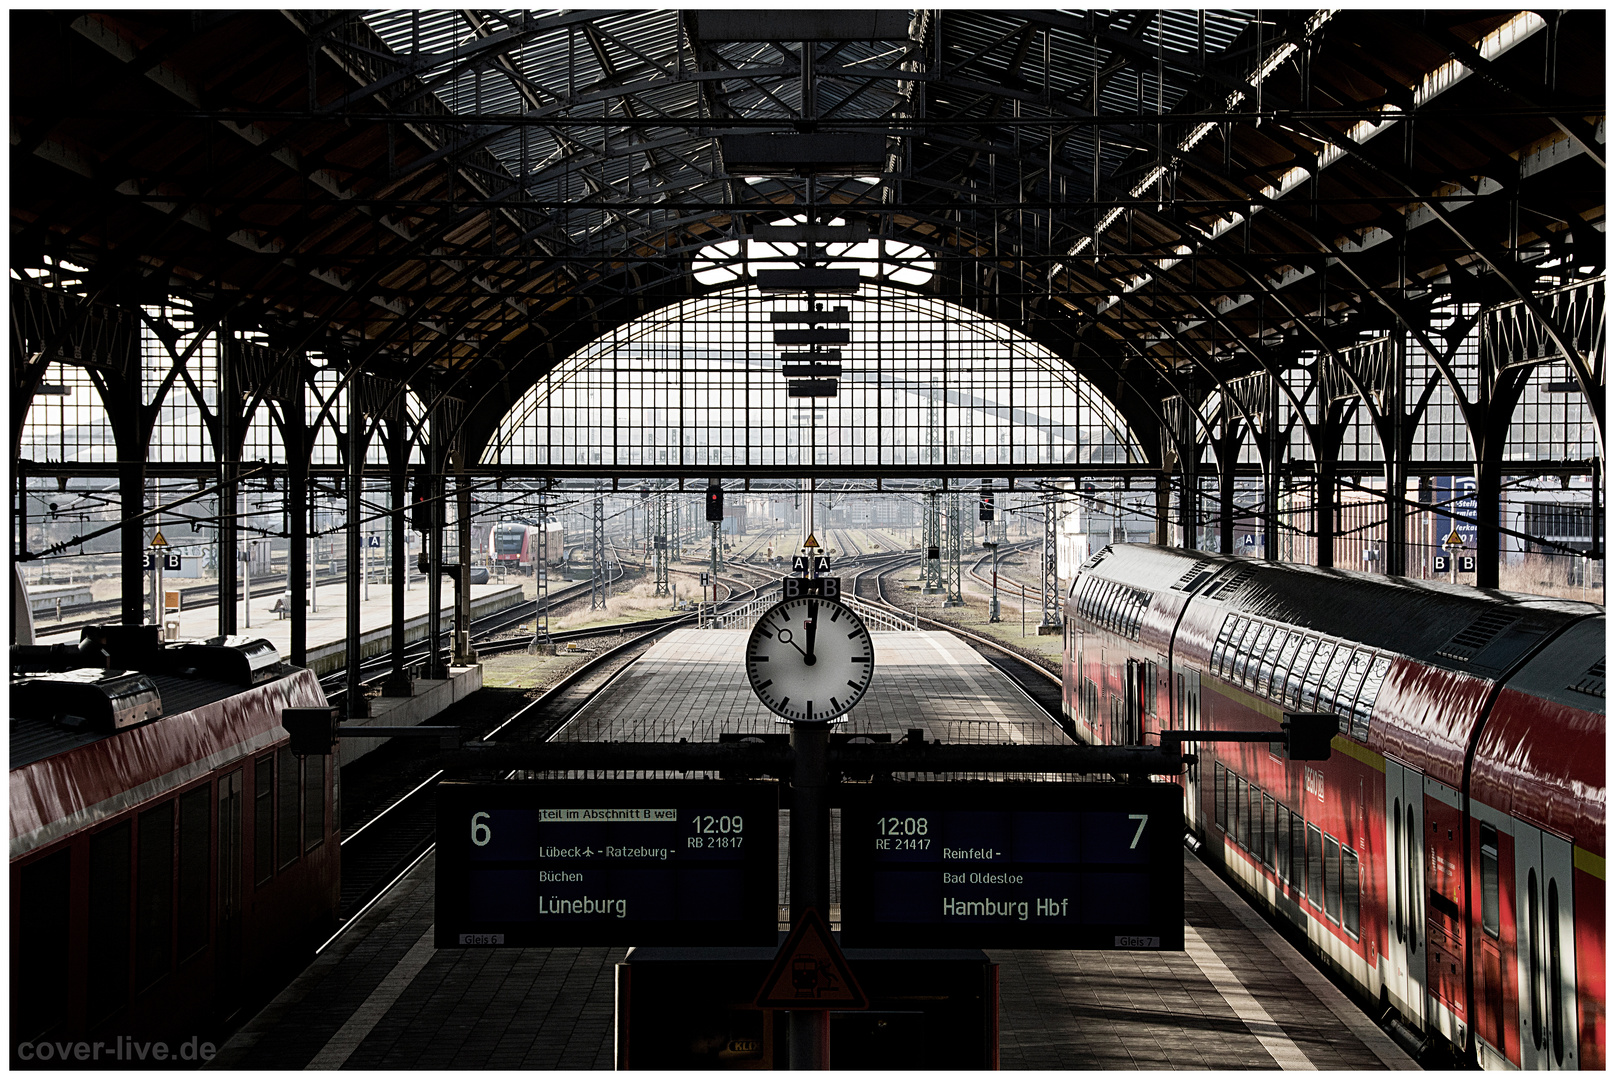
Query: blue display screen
(635, 864)
(1039, 866)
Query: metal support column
(953, 554)
(464, 654)
(1393, 558)
(600, 582)
(1225, 490)
(1324, 508)
(1163, 509)
(541, 583)
(931, 540)
(228, 499)
(354, 698)
(433, 543)
(1051, 566)
(399, 682)
(659, 542)
(297, 506)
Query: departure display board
(610, 863)
(1039, 866)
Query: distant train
(515, 543)
(171, 859)
(1448, 859)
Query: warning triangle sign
(158, 541)
(811, 544)
(809, 971)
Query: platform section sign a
(1047, 866)
(541, 863)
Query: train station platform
(1238, 997)
(327, 627)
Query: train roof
(1480, 631)
(1541, 755)
(34, 739)
(62, 785)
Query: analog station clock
(809, 658)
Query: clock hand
(785, 636)
(812, 630)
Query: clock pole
(810, 872)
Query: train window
(1331, 877)
(287, 806)
(1328, 693)
(1292, 645)
(154, 895)
(1253, 656)
(1270, 660)
(1556, 1009)
(1533, 950)
(1315, 866)
(1351, 681)
(1219, 798)
(1490, 918)
(108, 939)
(1315, 670)
(1364, 708)
(195, 858)
(1298, 852)
(1219, 651)
(44, 904)
(1241, 628)
(1242, 812)
(1296, 675)
(1281, 843)
(1410, 851)
(1270, 833)
(1258, 824)
(263, 819)
(313, 801)
(1351, 902)
(1396, 862)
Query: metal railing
(745, 616)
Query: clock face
(809, 658)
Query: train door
(227, 955)
(1188, 719)
(1547, 951)
(1404, 845)
(1133, 705)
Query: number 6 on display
(480, 833)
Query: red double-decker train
(1447, 859)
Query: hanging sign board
(536, 863)
(1044, 866)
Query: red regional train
(1447, 860)
(171, 859)
(514, 543)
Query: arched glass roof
(928, 389)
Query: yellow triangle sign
(810, 972)
(158, 541)
(811, 542)
(1453, 540)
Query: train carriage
(164, 871)
(1448, 858)
(512, 543)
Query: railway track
(1041, 684)
(391, 840)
